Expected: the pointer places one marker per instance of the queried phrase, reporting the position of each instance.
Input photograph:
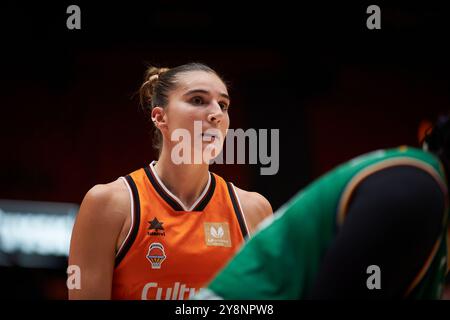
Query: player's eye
(224, 106)
(197, 100)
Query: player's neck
(185, 181)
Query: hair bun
(153, 73)
(150, 80)
(153, 78)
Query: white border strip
(206, 294)
(242, 211)
(132, 215)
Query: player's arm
(94, 237)
(255, 208)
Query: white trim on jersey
(175, 197)
(242, 211)
(131, 213)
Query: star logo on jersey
(157, 228)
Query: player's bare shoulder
(112, 198)
(106, 208)
(255, 208)
(98, 226)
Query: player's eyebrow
(224, 95)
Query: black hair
(437, 140)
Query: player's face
(199, 104)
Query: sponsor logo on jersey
(157, 228)
(179, 291)
(156, 255)
(217, 234)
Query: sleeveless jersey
(172, 251)
(297, 237)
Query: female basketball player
(163, 231)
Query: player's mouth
(209, 137)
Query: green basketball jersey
(282, 259)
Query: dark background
(332, 87)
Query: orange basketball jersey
(172, 251)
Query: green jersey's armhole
(354, 182)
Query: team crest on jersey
(157, 228)
(156, 255)
(217, 234)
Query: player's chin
(210, 151)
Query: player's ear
(423, 130)
(159, 117)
